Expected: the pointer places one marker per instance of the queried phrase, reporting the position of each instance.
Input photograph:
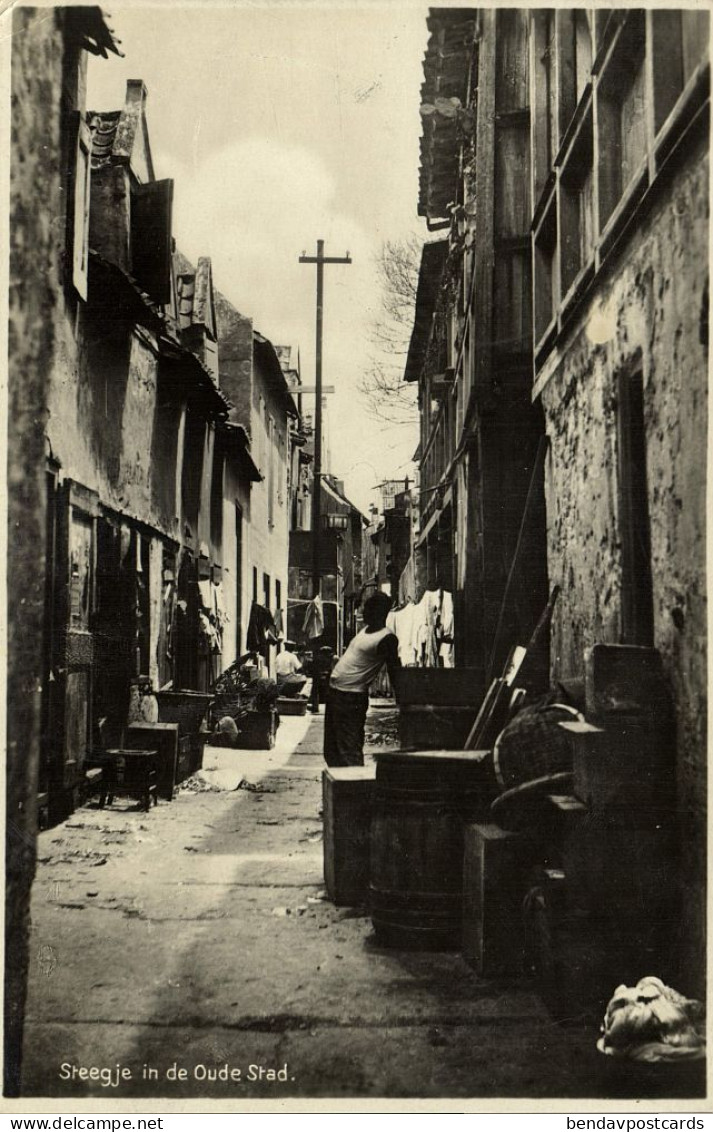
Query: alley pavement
(192, 952)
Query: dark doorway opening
(637, 620)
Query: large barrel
(421, 803)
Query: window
(270, 470)
(611, 93)
(679, 45)
(255, 583)
(576, 200)
(582, 49)
(622, 118)
(266, 590)
(216, 502)
(545, 135)
(546, 271)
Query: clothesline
(309, 601)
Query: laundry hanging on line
(313, 625)
(261, 628)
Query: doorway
(637, 599)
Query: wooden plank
(564, 40)
(512, 77)
(484, 193)
(485, 710)
(512, 202)
(534, 671)
(529, 502)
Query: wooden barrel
(422, 800)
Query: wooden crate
(347, 799)
(495, 870)
(163, 738)
(452, 687)
(292, 705)
(187, 709)
(257, 731)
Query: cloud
(254, 206)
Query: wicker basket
(187, 709)
(533, 745)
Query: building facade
(49, 50)
(482, 533)
(253, 378)
(620, 190)
(560, 345)
(340, 544)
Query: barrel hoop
(417, 804)
(393, 899)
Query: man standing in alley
(348, 694)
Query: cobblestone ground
(191, 953)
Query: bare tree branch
(388, 398)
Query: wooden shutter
(80, 208)
(151, 208)
(73, 661)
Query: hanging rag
(401, 622)
(205, 589)
(446, 628)
(314, 619)
(279, 627)
(261, 629)
(424, 632)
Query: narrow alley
(357, 676)
(199, 936)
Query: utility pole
(320, 259)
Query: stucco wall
(110, 214)
(269, 542)
(649, 308)
(235, 346)
(105, 427)
(236, 491)
(35, 204)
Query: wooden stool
(131, 773)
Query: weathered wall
(235, 575)
(106, 426)
(243, 382)
(35, 204)
(235, 344)
(653, 305)
(269, 542)
(110, 214)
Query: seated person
(288, 670)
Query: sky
(282, 124)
